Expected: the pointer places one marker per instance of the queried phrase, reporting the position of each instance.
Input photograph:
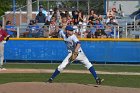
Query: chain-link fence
(20, 14)
(19, 17)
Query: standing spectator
(11, 30)
(80, 16)
(91, 15)
(43, 10)
(50, 14)
(52, 28)
(40, 18)
(3, 34)
(69, 19)
(110, 13)
(64, 22)
(115, 13)
(75, 14)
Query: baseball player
(3, 34)
(75, 52)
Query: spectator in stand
(67, 13)
(43, 10)
(33, 30)
(101, 19)
(75, 17)
(110, 27)
(75, 21)
(111, 17)
(110, 13)
(84, 26)
(75, 14)
(50, 14)
(91, 15)
(98, 24)
(80, 16)
(10, 29)
(64, 22)
(90, 33)
(53, 28)
(99, 29)
(115, 13)
(40, 18)
(69, 19)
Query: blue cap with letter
(70, 28)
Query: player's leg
(1, 54)
(83, 59)
(60, 67)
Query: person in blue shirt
(33, 29)
(10, 29)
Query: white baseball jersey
(71, 42)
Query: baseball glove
(73, 56)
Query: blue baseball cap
(70, 28)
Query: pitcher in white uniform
(73, 45)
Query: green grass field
(110, 80)
(99, 67)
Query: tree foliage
(7, 5)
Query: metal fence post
(17, 31)
(20, 17)
(118, 32)
(126, 32)
(114, 31)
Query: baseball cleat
(99, 81)
(50, 80)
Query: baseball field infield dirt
(41, 87)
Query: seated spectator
(90, 33)
(44, 31)
(33, 29)
(101, 19)
(110, 26)
(111, 17)
(99, 29)
(99, 25)
(11, 30)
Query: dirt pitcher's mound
(41, 87)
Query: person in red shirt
(3, 38)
